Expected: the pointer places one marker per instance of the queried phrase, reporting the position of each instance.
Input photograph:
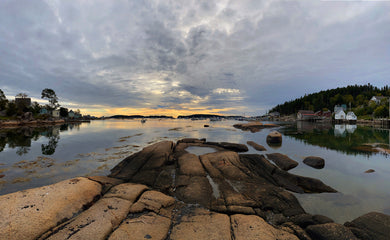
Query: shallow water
(200, 150)
(41, 156)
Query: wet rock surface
(315, 162)
(282, 161)
(256, 146)
(274, 137)
(164, 192)
(254, 126)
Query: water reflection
(22, 138)
(349, 139)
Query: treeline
(12, 109)
(357, 97)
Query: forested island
(358, 98)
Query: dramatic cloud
(232, 57)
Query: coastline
(165, 192)
(36, 123)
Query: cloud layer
(214, 56)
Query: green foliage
(50, 95)
(381, 111)
(64, 112)
(357, 95)
(3, 100)
(11, 109)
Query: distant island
(138, 116)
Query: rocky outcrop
(253, 227)
(282, 161)
(330, 231)
(372, 225)
(256, 146)
(30, 213)
(253, 126)
(221, 195)
(315, 162)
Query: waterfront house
(55, 113)
(351, 116)
(43, 111)
(306, 115)
(340, 107)
(71, 114)
(377, 99)
(339, 115)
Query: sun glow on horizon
(105, 111)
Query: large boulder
(30, 213)
(274, 137)
(374, 225)
(330, 231)
(282, 161)
(315, 162)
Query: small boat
(143, 120)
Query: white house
(351, 116)
(377, 99)
(55, 113)
(340, 115)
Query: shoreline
(36, 123)
(164, 192)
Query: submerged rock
(370, 171)
(256, 146)
(315, 162)
(254, 126)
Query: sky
(181, 57)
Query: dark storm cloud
(249, 55)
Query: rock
(370, 171)
(147, 226)
(253, 126)
(376, 225)
(320, 219)
(189, 164)
(248, 227)
(297, 230)
(315, 162)
(330, 231)
(195, 190)
(152, 201)
(95, 223)
(201, 224)
(128, 191)
(106, 182)
(147, 161)
(256, 146)
(30, 213)
(282, 161)
(236, 147)
(303, 220)
(206, 125)
(260, 166)
(274, 137)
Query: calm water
(41, 156)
